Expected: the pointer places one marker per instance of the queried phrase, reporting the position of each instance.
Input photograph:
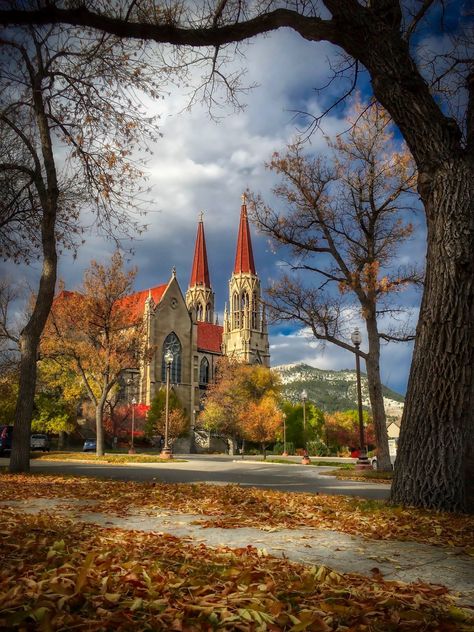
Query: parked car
(6, 433)
(40, 442)
(90, 445)
(392, 448)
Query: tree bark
(99, 426)
(434, 455)
(30, 336)
(372, 363)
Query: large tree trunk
(436, 436)
(372, 363)
(29, 343)
(30, 336)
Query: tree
(225, 400)
(70, 119)
(263, 420)
(232, 403)
(98, 333)
(59, 392)
(295, 423)
(342, 429)
(155, 419)
(436, 448)
(343, 223)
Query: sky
(201, 164)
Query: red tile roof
(209, 337)
(134, 304)
(200, 269)
(244, 255)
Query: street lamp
(306, 459)
(133, 401)
(167, 453)
(356, 341)
(285, 452)
(132, 447)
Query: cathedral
(187, 325)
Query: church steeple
(200, 270)
(200, 296)
(245, 334)
(244, 262)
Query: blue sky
(200, 164)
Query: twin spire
(200, 269)
(244, 262)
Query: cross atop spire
(244, 254)
(200, 269)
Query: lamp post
(133, 401)
(285, 452)
(362, 461)
(167, 453)
(305, 460)
(132, 447)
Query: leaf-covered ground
(60, 575)
(231, 506)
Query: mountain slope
(332, 390)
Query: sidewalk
(394, 560)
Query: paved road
(221, 470)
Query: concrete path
(403, 561)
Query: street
(220, 469)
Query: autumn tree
(342, 429)
(240, 389)
(429, 93)
(97, 332)
(70, 121)
(342, 221)
(262, 422)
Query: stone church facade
(186, 325)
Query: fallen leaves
(232, 506)
(101, 579)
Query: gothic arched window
(236, 310)
(254, 311)
(200, 312)
(173, 344)
(208, 313)
(204, 371)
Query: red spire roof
(200, 270)
(244, 255)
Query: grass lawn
(107, 458)
(350, 472)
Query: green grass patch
(360, 475)
(314, 463)
(107, 458)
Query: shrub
(318, 448)
(278, 448)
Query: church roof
(134, 304)
(200, 269)
(244, 255)
(209, 337)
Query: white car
(39, 442)
(392, 448)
